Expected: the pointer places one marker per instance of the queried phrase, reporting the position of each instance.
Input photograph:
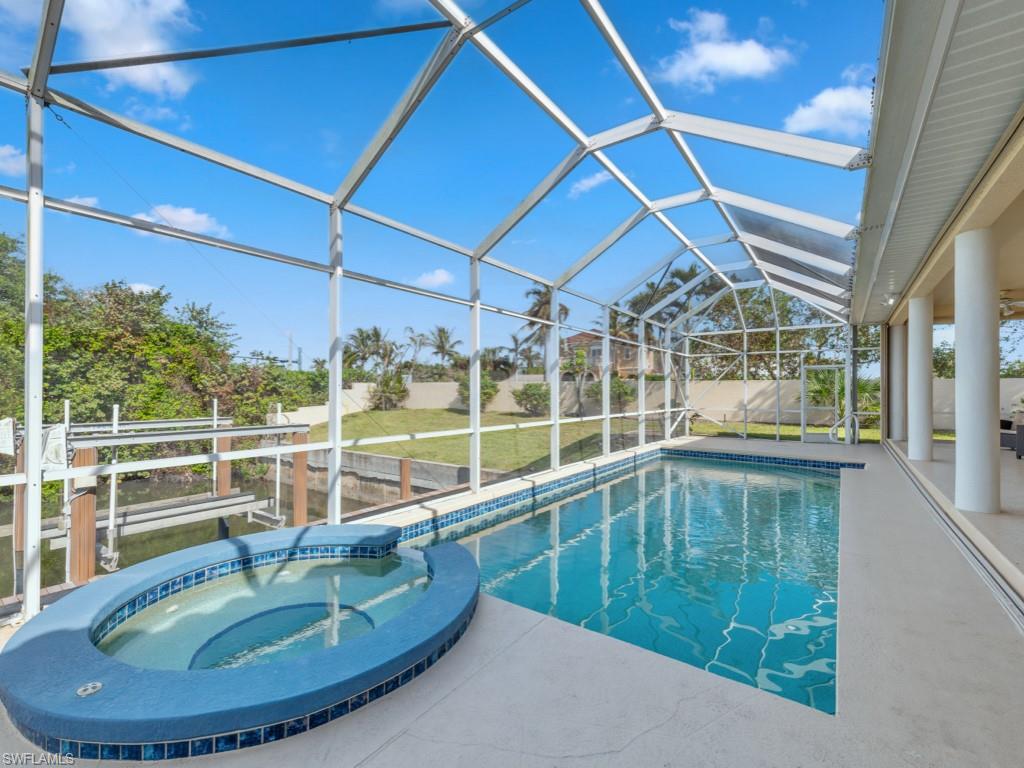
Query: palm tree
(517, 348)
(494, 360)
(362, 345)
(417, 341)
(442, 342)
(540, 307)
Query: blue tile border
(206, 574)
(752, 458)
(517, 502)
(183, 713)
(250, 737)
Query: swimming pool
(731, 567)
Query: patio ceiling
(950, 88)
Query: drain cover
(89, 689)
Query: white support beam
(152, 227)
(528, 203)
(679, 292)
(115, 120)
(413, 96)
(398, 226)
(706, 304)
(678, 201)
(832, 227)
(666, 370)
(823, 300)
(920, 352)
(32, 447)
(606, 383)
(474, 376)
(777, 142)
(606, 242)
(796, 254)
(631, 130)
(811, 282)
(236, 50)
(462, 22)
(624, 56)
(42, 57)
(641, 384)
(836, 311)
(649, 272)
(554, 376)
(335, 364)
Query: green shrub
(622, 393)
(389, 393)
(488, 390)
(534, 398)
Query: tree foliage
(534, 398)
(114, 345)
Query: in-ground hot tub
(235, 643)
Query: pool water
(270, 614)
(728, 566)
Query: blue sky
(476, 146)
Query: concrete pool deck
(930, 673)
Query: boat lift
(77, 529)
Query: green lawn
(527, 449)
(789, 431)
(512, 450)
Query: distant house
(624, 356)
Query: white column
(641, 384)
(606, 385)
(746, 388)
(919, 379)
(554, 378)
(474, 375)
(335, 359)
(897, 363)
(976, 289)
(33, 445)
(666, 369)
(686, 386)
(850, 383)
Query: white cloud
(843, 110)
(12, 159)
(588, 183)
(22, 11)
(435, 278)
(111, 28)
(92, 202)
(185, 218)
(712, 54)
(142, 288)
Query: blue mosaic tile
(110, 752)
(250, 738)
(273, 733)
(202, 747)
(176, 749)
(226, 743)
(319, 718)
(89, 751)
(131, 751)
(154, 752)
